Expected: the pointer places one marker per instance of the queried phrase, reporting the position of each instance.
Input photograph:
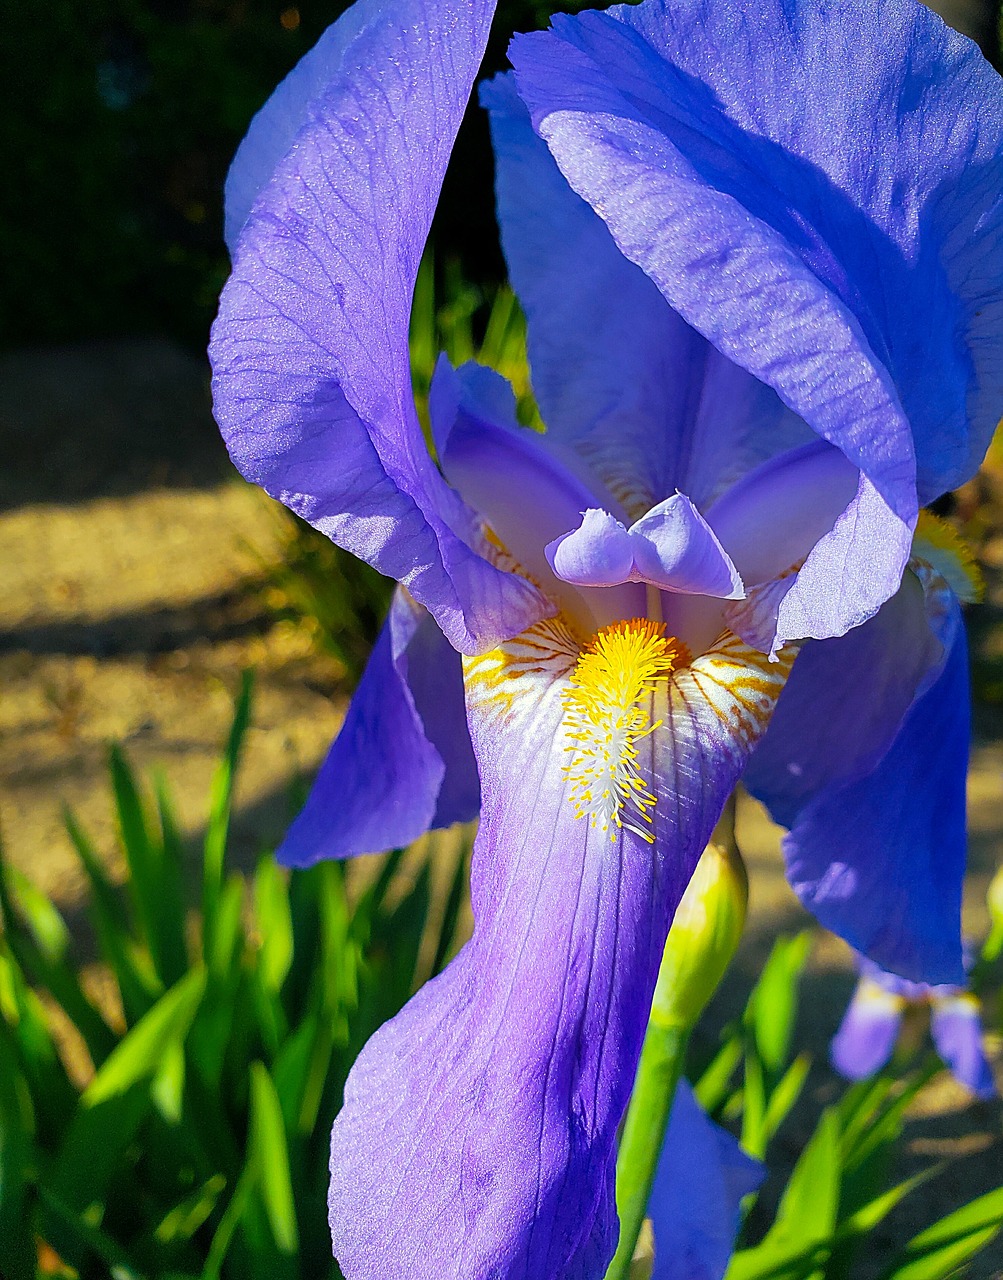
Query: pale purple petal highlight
(677, 550)
(957, 1032)
(402, 763)
(672, 547)
(867, 1035)
(599, 553)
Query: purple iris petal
(618, 374)
(877, 193)
(696, 1198)
(860, 687)
(402, 763)
(677, 550)
(867, 1035)
(768, 184)
(312, 383)
(672, 547)
(599, 553)
(651, 170)
(522, 489)
(880, 858)
(773, 517)
(769, 522)
(479, 1128)
(271, 133)
(957, 1032)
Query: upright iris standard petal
(402, 763)
(479, 1128)
(880, 859)
(957, 1032)
(757, 175)
(311, 382)
(867, 1035)
(273, 130)
(695, 1204)
(524, 492)
(618, 374)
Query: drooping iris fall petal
(879, 858)
(956, 1029)
(867, 1035)
(402, 762)
(499, 1089)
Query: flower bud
(994, 901)
(704, 937)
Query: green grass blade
(786, 1094)
(772, 1006)
(31, 1037)
(47, 926)
(872, 1214)
(90, 1239)
(171, 914)
(223, 1236)
(93, 1148)
(271, 1156)
(273, 919)
(885, 1124)
(38, 940)
(713, 1088)
(227, 936)
(181, 1222)
(138, 986)
(944, 1247)
(17, 1245)
(799, 1241)
(141, 853)
(221, 801)
(140, 1054)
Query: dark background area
(118, 119)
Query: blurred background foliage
(170, 1122)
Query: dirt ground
(131, 562)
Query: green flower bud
(994, 901)
(704, 937)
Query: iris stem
(658, 1073)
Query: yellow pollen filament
(606, 716)
(945, 551)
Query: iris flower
(870, 1028)
(759, 247)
